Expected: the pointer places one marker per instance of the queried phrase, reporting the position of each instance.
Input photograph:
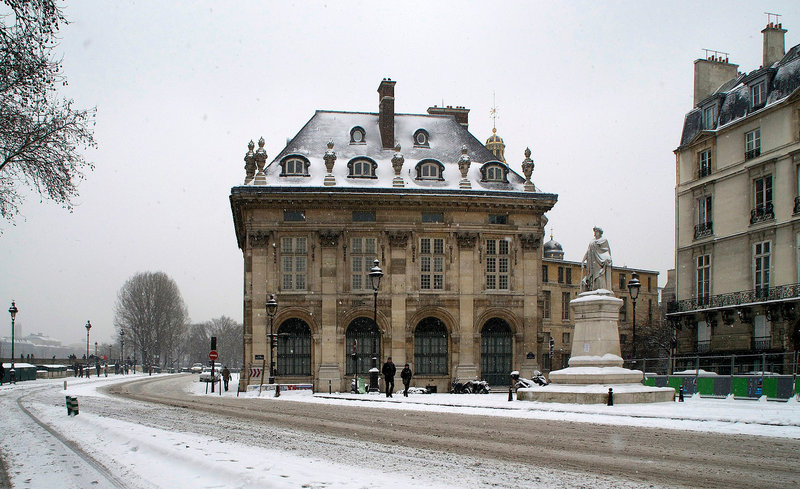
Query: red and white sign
(213, 355)
(255, 372)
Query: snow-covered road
(116, 442)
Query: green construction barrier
(362, 385)
(675, 383)
(770, 388)
(705, 386)
(796, 387)
(650, 382)
(739, 387)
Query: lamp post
(13, 311)
(88, 327)
(633, 290)
(375, 275)
(272, 309)
(122, 347)
(95, 349)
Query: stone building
(737, 221)
(561, 282)
(456, 231)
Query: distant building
(456, 230)
(737, 220)
(561, 282)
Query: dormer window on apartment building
(758, 94)
(709, 117)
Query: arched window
(494, 171)
(430, 347)
(362, 341)
(358, 135)
(421, 138)
(294, 165)
(496, 352)
(362, 168)
(294, 348)
(430, 170)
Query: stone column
(397, 286)
(531, 271)
(258, 285)
(466, 368)
(329, 347)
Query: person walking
(226, 377)
(405, 375)
(2, 373)
(388, 371)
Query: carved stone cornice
(531, 241)
(398, 239)
(258, 239)
(329, 238)
(466, 240)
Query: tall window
(569, 275)
(623, 311)
(704, 224)
(545, 304)
(622, 283)
(758, 94)
(710, 117)
(703, 278)
(704, 163)
(363, 340)
(561, 275)
(565, 306)
(294, 348)
(752, 144)
(497, 264)
(431, 263)
(430, 347)
(703, 336)
(761, 257)
(362, 254)
(544, 274)
(294, 259)
(762, 200)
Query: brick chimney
(461, 114)
(774, 43)
(711, 73)
(386, 112)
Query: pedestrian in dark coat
(2, 373)
(226, 377)
(406, 376)
(388, 371)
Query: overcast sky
(597, 90)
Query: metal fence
(787, 363)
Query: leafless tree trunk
(152, 313)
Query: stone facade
(457, 235)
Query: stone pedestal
(595, 364)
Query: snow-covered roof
(445, 140)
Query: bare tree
(229, 341)
(40, 133)
(151, 311)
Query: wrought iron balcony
(753, 153)
(781, 293)
(703, 229)
(762, 343)
(762, 213)
(703, 346)
(704, 171)
(796, 205)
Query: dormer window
(357, 135)
(421, 138)
(430, 170)
(710, 117)
(494, 171)
(362, 168)
(294, 166)
(758, 94)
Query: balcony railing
(703, 229)
(762, 213)
(753, 153)
(704, 171)
(762, 343)
(703, 346)
(796, 205)
(733, 299)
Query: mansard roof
(782, 80)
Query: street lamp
(13, 311)
(95, 349)
(633, 290)
(122, 346)
(88, 327)
(272, 309)
(375, 275)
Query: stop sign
(213, 355)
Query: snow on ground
(140, 445)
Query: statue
(596, 264)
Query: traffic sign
(213, 355)
(255, 372)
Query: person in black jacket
(406, 376)
(388, 371)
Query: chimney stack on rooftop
(459, 112)
(774, 43)
(386, 112)
(711, 73)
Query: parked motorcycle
(537, 380)
(469, 387)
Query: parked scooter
(469, 387)
(537, 380)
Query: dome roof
(494, 138)
(553, 249)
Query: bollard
(330, 388)
(72, 405)
(277, 390)
(610, 396)
(65, 385)
(510, 394)
(680, 394)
